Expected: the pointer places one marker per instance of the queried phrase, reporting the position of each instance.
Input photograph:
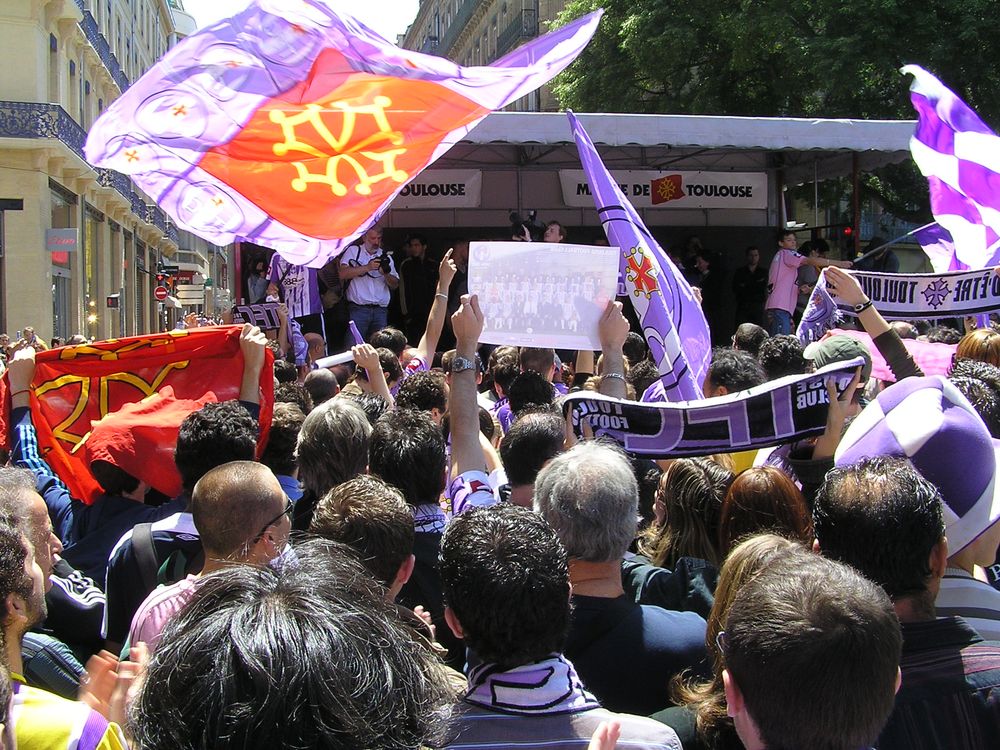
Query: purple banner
(672, 321)
(780, 411)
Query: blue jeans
(368, 319)
(778, 322)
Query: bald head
(316, 344)
(231, 504)
(322, 385)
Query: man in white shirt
(372, 277)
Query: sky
(387, 17)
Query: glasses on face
(286, 512)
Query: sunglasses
(286, 512)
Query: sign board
(652, 189)
(442, 188)
(264, 315)
(160, 293)
(61, 240)
(541, 293)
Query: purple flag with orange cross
(672, 321)
(294, 125)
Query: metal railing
(100, 44)
(458, 24)
(523, 27)
(36, 120)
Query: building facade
(67, 61)
(477, 32)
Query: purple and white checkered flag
(928, 421)
(960, 157)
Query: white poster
(542, 294)
(442, 188)
(651, 189)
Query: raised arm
(613, 329)
(846, 288)
(252, 344)
(467, 455)
(365, 356)
(439, 309)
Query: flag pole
(899, 239)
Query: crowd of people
(424, 555)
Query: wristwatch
(461, 364)
(863, 306)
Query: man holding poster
(543, 294)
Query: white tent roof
(801, 147)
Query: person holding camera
(371, 276)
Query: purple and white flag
(780, 411)
(960, 157)
(939, 247)
(295, 126)
(672, 321)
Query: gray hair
(16, 489)
(332, 445)
(590, 496)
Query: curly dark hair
(883, 518)
(781, 356)
(373, 405)
(285, 371)
(423, 391)
(407, 450)
(529, 388)
(293, 393)
(214, 435)
(506, 554)
(735, 369)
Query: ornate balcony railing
(100, 44)
(35, 120)
(458, 25)
(523, 27)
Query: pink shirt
(783, 292)
(162, 604)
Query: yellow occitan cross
(667, 189)
(312, 115)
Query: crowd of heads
(302, 629)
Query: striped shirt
(950, 692)
(46, 721)
(977, 603)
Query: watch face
(461, 364)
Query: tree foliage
(807, 58)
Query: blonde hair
(707, 698)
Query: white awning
(800, 148)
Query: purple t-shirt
(300, 287)
(783, 292)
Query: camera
(384, 264)
(519, 226)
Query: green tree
(804, 58)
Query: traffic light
(113, 301)
(161, 279)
